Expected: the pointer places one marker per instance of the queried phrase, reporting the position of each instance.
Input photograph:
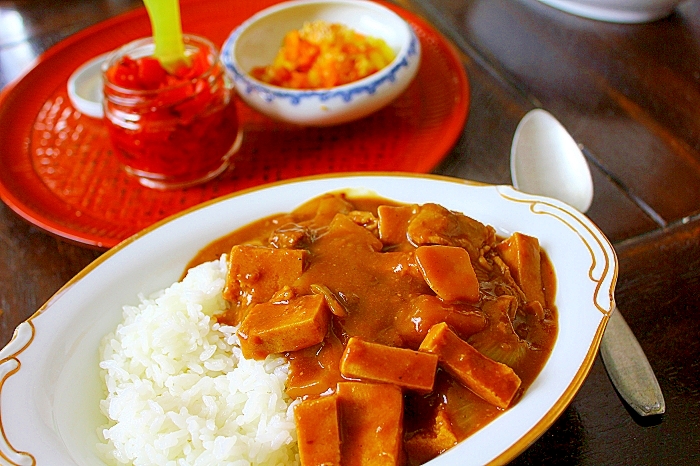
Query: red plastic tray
(57, 169)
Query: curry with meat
(407, 327)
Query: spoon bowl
(546, 160)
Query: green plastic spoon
(167, 33)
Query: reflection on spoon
(545, 160)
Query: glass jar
(182, 133)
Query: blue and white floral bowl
(257, 41)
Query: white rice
(179, 392)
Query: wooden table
(629, 93)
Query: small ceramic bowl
(257, 41)
(617, 11)
(85, 87)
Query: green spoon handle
(167, 32)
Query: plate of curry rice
(421, 319)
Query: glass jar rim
(145, 42)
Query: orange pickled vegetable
(323, 55)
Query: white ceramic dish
(50, 384)
(85, 87)
(617, 11)
(257, 41)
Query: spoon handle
(629, 368)
(167, 32)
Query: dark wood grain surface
(630, 94)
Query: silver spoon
(545, 160)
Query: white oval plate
(49, 372)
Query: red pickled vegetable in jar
(170, 129)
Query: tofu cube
(256, 273)
(449, 272)
(521, 253)
(496, 383)
(393, 223)
(373, 362)
(426, 445)
(318, 431)
(372, 424)
(286, 326)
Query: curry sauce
(364, 293)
